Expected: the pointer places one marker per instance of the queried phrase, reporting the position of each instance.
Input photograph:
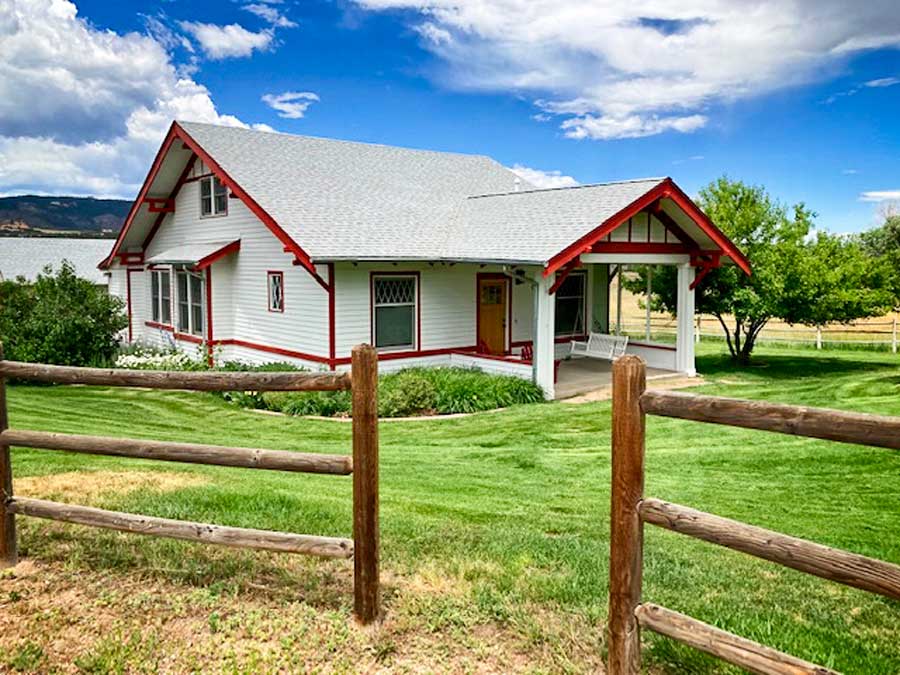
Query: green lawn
(494, 534)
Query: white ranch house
(271, 247)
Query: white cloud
(291, 104)
(231, 41)
(879, 196)
(543, 179)
(883, 82)
(270, 14)
(626, 68)
(82, 110)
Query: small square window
(276, 291)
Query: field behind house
(878, 333)
(494, 536)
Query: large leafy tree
(798, 278)
(60, 318)
(882, 244)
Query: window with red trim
(161, 296)
(276, 291)
(394, 307)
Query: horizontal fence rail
(173, 379)
(237, 537)
(362, 381)
(831, 425)
(630, 510)
(193, 453)
(851, 569)
(740, 651)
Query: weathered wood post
(626, 529)
(894, 336)
(9, 554)
(364, 379)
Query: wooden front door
(493, 294)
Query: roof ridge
(656, 179)
(337, 140)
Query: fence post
(894, 335)
(699, 328)
(818, 337)
(364, 379)
(626, 529)
(9, 554)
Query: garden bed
(410, 392)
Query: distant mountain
(33, 216)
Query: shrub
(323, 403)
(408, 392)
(61, 319)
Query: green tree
(883, 244)
(796, 278)
(60, 318)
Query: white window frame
(271, 275)
(158, 301)
(213, 182)
(192, 278)
(414, 345)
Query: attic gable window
(213, 197)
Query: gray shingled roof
(535, 225)
(27, 256)
(341, 200)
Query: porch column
(684, 354)
(544, 333)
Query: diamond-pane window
(276, 291)
(394, 311)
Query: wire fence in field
(877, 335)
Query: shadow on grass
(791, 366)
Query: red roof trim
(136, 205)
(228, 249)
(177, 131)
(666, 188)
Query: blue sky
(800, 97)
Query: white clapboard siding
(239, 285)
(448, 304)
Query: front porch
(581, 376)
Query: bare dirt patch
(58, 619)
(90, 485)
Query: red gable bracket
(178, 132)
(705, 262)
(666, 188)
(160, 204)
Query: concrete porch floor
(583, 375)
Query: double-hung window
(190, 302)
(394, 310)
(161, 296)
(276, 291)
(213, 197)
(570, 305)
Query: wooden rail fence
(631, 509)
(362, 381)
